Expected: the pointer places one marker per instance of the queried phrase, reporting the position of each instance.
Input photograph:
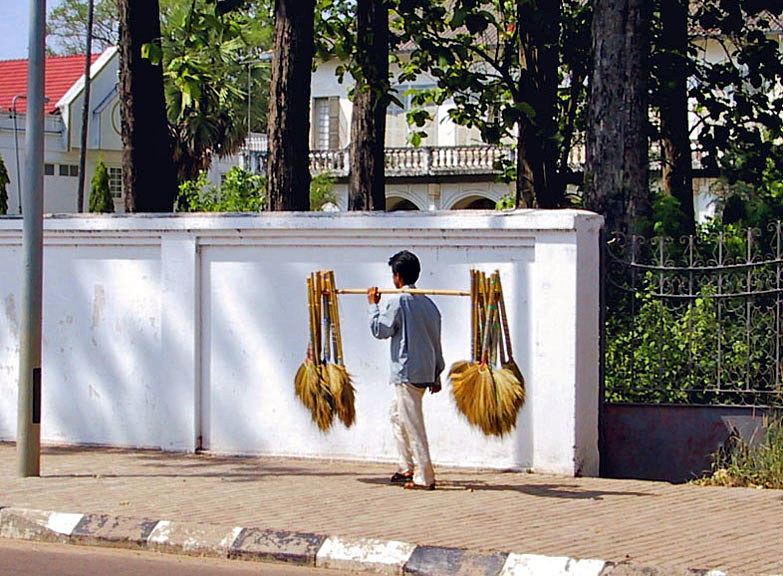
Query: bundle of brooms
(322, 383)
(489, 396)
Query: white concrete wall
(158, 330)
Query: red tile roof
(62, 72)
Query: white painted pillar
(565, 388)
(180, 373)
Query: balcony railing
(402, 162)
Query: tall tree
(85, 108)
(148, 173)
(207, 48)
(498, 63)
(66, 26)
(616, 171)
(673, 69)
(370, 100)
(288, 170)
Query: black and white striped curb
(362, 554)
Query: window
(48, 169)
(115, 181)
(69, 170)
(326, 123)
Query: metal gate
(688, 322)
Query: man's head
(406, 267)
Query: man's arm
(382, 324)
(440, 365)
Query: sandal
(412, 486)
(401, 478)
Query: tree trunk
(616, 171)
(85, 109)
(288, 172)
(675, 137)
(148, 175)
(537, 154)
(370, 100)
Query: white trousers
(407, 422)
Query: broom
(473, 388)
(509, 384)
(323, 408)
(509, 364)
(340, 385)
(475, 337)
(308, 378)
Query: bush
(4, 180)
(321, 192)
(241, 191)
(100, 193)
(758, 464)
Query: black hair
(407, 265)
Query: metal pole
(28, 439)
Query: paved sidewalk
(668, 527)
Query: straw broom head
(340, 383)
(509, 398)
(342, 391)
(307, 383)
(322, 411)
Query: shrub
(757, 464)
(100, 194)
(241, 191)
(321, 192)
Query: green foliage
(505, 203)
(321, 191)
(4, 181)
(241, 191)
(738, 101)
(669, 219)
(757, 464)
(662, 345)
(206, 52)
(100, 193)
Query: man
(412, 321)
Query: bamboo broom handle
(313, 347)
(338, 339)
(504, 319)
(435, 292)
(491, 311)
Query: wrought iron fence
(695, 320)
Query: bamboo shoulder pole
(435, 292)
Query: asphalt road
(23, 558)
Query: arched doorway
(474, 203)
(395, 204)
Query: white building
(64, 91)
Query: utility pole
(28, 437)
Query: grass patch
(751, 464)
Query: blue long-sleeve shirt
(412, 321)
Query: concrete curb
(362, 554)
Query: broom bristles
(322, 401)
(510, 396)
(342, 391)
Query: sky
(14, 27)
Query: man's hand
(373, 295)
(435, 388)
